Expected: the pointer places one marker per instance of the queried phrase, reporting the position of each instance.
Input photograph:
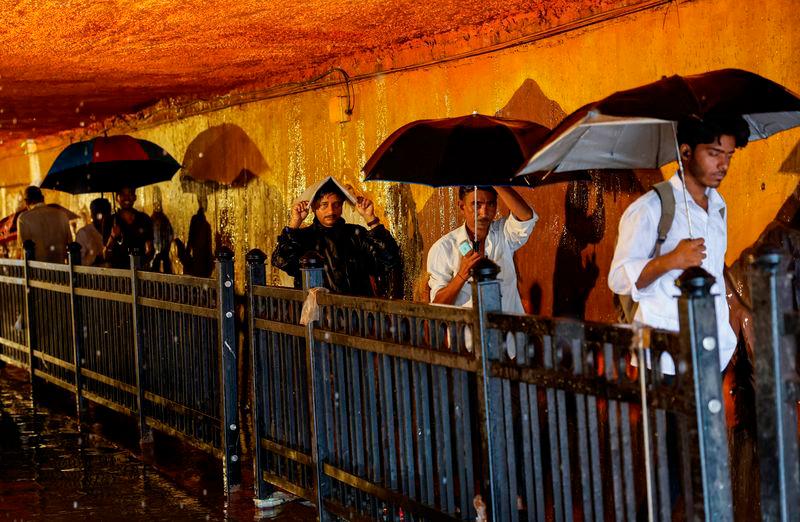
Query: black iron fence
(391, 410)
(400, 411)
(161, 349)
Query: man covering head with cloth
(356, 258)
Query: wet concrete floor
(49, 470)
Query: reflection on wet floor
(51, 471)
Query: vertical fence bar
(775, 398)
(311, 266)
(256, 276)
(145, 435)
(29, 249)
(231, 466)
(486, 298)
(698, 327)
(74, 256)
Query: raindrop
(97, 154)
(82, 124)
(205, 492)
(75, 505)
(97, 353)
(77, 110)
(180, 505)
(175, 339)
(13, 121)
(80, 104)
(199, 154)
(83, 361)
(143, 504)
(52, 248)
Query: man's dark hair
(100, 206)
(695, 131)
(464, 190)
(33, 195)
(327, 188)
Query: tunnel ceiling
(71, 64)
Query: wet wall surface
(49, 470)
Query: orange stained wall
(287, 143)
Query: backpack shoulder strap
(667, 197)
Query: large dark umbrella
(109, 164)
(637, 128)
(462, 151)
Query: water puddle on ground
(51, 471)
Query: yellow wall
(291, 141)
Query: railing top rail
(11, 262)
(55, 267)
(279, 292)
(617, 334)
(389, 306)
(102, 271)
(175, 279)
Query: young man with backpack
(654, 245)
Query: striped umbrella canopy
(108, 164)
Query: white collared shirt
(637, 235)
(505, 237)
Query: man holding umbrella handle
(647, 260)
(452, 256)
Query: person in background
(130, 228)
(197, 257)
(90, 236)
(48, 228)
(162, 236)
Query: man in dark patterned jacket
(357, 260)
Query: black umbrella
(461, 151)
(468, 150)
(108, 164)
(636, 128)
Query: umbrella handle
(683, 179)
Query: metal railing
(397, 411)
(159, 348)
(777, 329)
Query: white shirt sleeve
(516, 232)
(440, 268)
(637, 236)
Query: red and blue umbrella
(108, 164)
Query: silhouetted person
(162, 236)
(575, 278)
(47, 226)
(198, 258)
(90, 236)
